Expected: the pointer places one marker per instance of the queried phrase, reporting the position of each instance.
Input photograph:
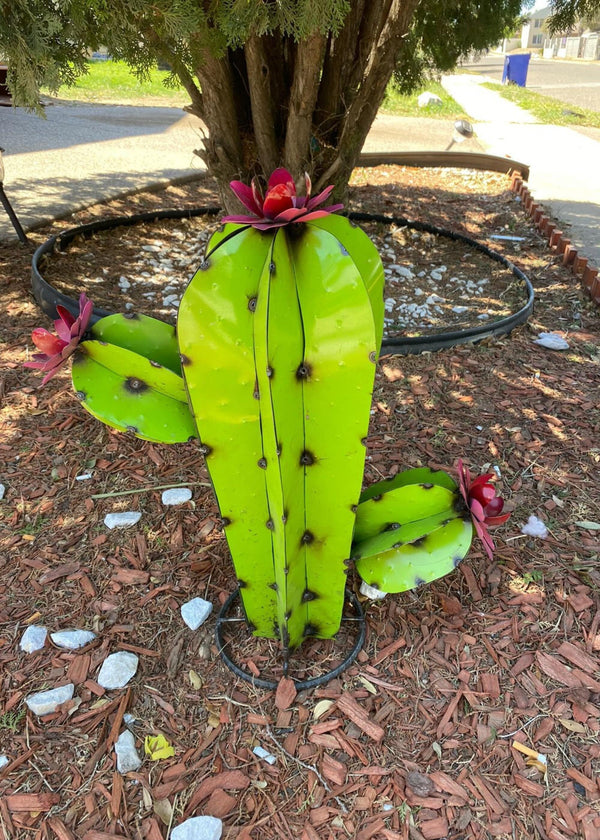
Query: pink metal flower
(280, 205)
(56, 349)
(483, 503)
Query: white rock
(72, 639)
(403, 271)
(129, 306)
(151, 248)
(124, 283)
(4, 761)
(483, 317)
(117, 669)
(198, 828)
(84, 477)
(2, 491)
(552, 341)
(371, 592)
(534, 527)
(122, 520)
(45, 702)
(460, 309)
(34, 638)
(129, 719)
(127, 755)
(176, 496)
(261, 752)
(195, 612)
(427, 98)
(435, 275)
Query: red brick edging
(557, 241)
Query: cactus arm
(421, 561)
(340, 351)
(149, 337)
(418, 475)
(131, 393)
(215, 328)
(400, 506)
(388, 538)
(366, 258)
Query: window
(536, 40)
(537, 23)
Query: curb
(557, 241)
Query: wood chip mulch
(473, 710)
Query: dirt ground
(416, 739)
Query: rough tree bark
(307, 105)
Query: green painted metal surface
(132, 393)
(146, 336)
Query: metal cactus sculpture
(272, 368)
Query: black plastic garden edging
(47, 297)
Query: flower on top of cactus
(483, 503)
(280, 205)
(56, 349)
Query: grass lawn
(407, 105)
(111, 82)
(547, 110)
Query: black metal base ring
(301, 685)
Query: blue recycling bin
(515, 69)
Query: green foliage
(406, 105)
(566, 13)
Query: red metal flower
(56, 349)
(280, 205)
(483, 503)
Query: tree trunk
(307, 106)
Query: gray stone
(122, 520)
(195, 612)
(45, 702)
(72, 639)
(534, 527)
(459, 310)
(127, 755)
(176, 496)
(198, 828)
(4, 761)
(34, 638)
(117, 669)
(2, 491)
(552, 341)
(427, 98)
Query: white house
(532, 34)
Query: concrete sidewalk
(565, 164)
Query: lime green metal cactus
(272, 368)
(279, 332)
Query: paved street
(575, 83)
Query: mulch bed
(416, 739)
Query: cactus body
(410, 530)
(278, 341)
(132, 393)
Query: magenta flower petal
(291, 214)
(281, 204)
(246, 196)
(324, 211)
(46, 342)
(282, 176)
(484, 505)
(320, 198)
(278, 199)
